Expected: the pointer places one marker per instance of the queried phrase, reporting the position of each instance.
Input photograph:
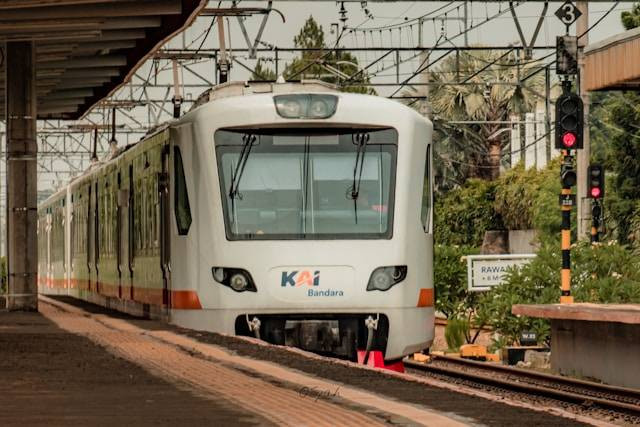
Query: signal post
(568, 138)
(595, 191)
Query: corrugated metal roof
(613, 63)
(85, 49)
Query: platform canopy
(614, 63)
(85, 49)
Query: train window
(425, 213)
(181, 197)
(307, 183)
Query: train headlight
(306, 106)
(383, 278)
(238, 282)
(236, 278)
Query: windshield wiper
(361, 139)
(242, 161)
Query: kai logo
(300, 278)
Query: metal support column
(22, 241)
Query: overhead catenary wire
(413, 20)
(423, 68)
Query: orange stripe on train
(185, 300)
(425, 299)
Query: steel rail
(628, 392)
(538, 390)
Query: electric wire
(392, 26)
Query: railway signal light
(569, 122)
(595, 184)
(567, 173)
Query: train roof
(226, 90)
(230, 89)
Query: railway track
(619, 402)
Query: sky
(500, 31)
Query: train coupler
(254, 326)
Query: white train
(290, 211)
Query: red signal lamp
(569, 139)
(596, 192)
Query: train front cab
(330, 315)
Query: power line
(406, 23)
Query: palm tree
(481, 87)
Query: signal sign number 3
(568, 13)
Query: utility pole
(466, 18)
(584, 204)
(425, 109)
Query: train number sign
(568, 13)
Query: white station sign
(487, 271)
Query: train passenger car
(53, 244)
(287, 211)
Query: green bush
(528, 199)
(605, 273)
(456, 333)
(464, 214)
(450, 280)
(520, 199)
(634, 228)
(601, 273)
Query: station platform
(593, 341)
(79, 364)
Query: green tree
(262, 72)
(462, 216)
(326, 64)
(631, 19)
(615, 138)
(339, 68)
(616, 142)
(487, 97)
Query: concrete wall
(605, 351)
(522, 242)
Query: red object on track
(376, 360)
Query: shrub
(527, 199)
(520, 199)
(634, 227)
(456, 333)
(464, 214)
(605, 273)
(601, 273)
(450, 280)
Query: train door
(71, 235)
(96, 239)
(90, 238)
(182, 167)
(121, 205)
(48, 234)
(130, 231)
(165, 237)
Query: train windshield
(307, 183)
